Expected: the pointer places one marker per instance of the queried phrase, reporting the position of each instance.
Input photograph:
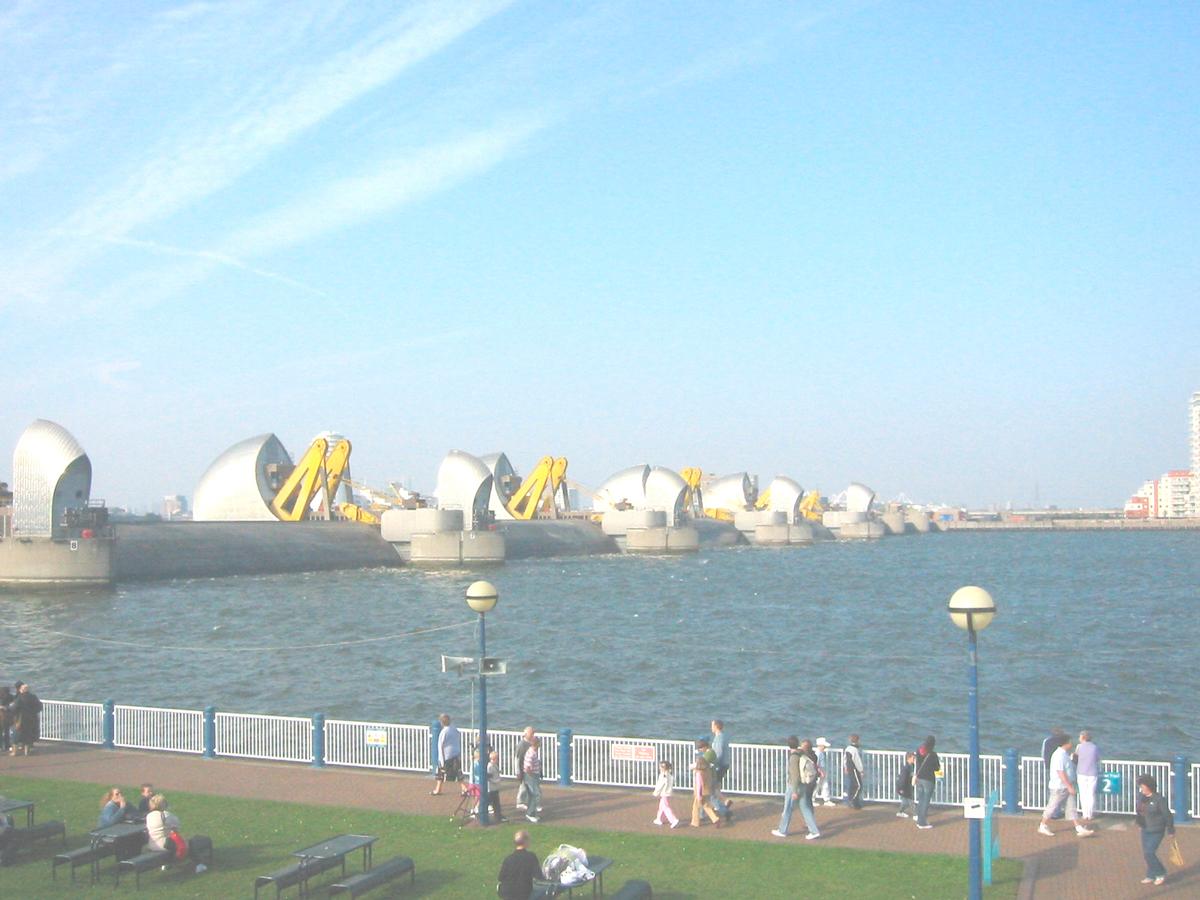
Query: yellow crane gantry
(542, 491)
(319, 471)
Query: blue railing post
(564, 757)
(1180, 789)
(1012, 782)
(318, 741)
(435, 731)
(110, 725)
(210, 732)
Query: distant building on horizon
(175, 506)
(1175, 495)
(1195, 411)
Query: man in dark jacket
(518, 870)
(927, 767)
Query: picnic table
(111, 834)
(11, 804)
(336, 848)
(555, 889)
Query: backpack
(177, 844)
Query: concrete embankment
(1076, 525)
(209, 549)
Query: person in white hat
(822, 792)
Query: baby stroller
(468, 804)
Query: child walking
(662, 790)
(493, 785)
(904, 785)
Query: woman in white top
(159, 823)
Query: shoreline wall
(1077, 525)
(165, 550)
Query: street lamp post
(482, 597)
(972, 609)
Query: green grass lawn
(255, 837)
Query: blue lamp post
(972, 609)
(482, 597)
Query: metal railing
(505, 743)
(280, 738)
(377, 746)
(756, 769)
(145, 728)
(1035, 785)
(594, 760)
(1196, 790)
(75, 723)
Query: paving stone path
(1107, 865)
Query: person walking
(1049, 745)
(493, 785)
(854, 772)
(532, 774)
(704, 745)
(928, 767)
(904, 785)
(515, 881)
(724, 757)
(702, 788)
(6, 701)
(27, 715)
(1062, 791)
(449, 746)
(806, 747)
(823, 792)
(1154, 820)
(1087, 772)
(519, 755)
(800, 770)
(662, 790)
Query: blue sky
(947, 249)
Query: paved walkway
(1108, 865)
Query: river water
(1094, 630)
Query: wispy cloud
(109, 372)
(344, 203)
(187, 11)
(265, 116)
(267, 119)
(396, 182)
(206, 256)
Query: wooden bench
(83, 856)
(44, 831)
(297, 873)
(373, 878)
(634, 890)
(144, 862)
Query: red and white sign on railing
(636, 752)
